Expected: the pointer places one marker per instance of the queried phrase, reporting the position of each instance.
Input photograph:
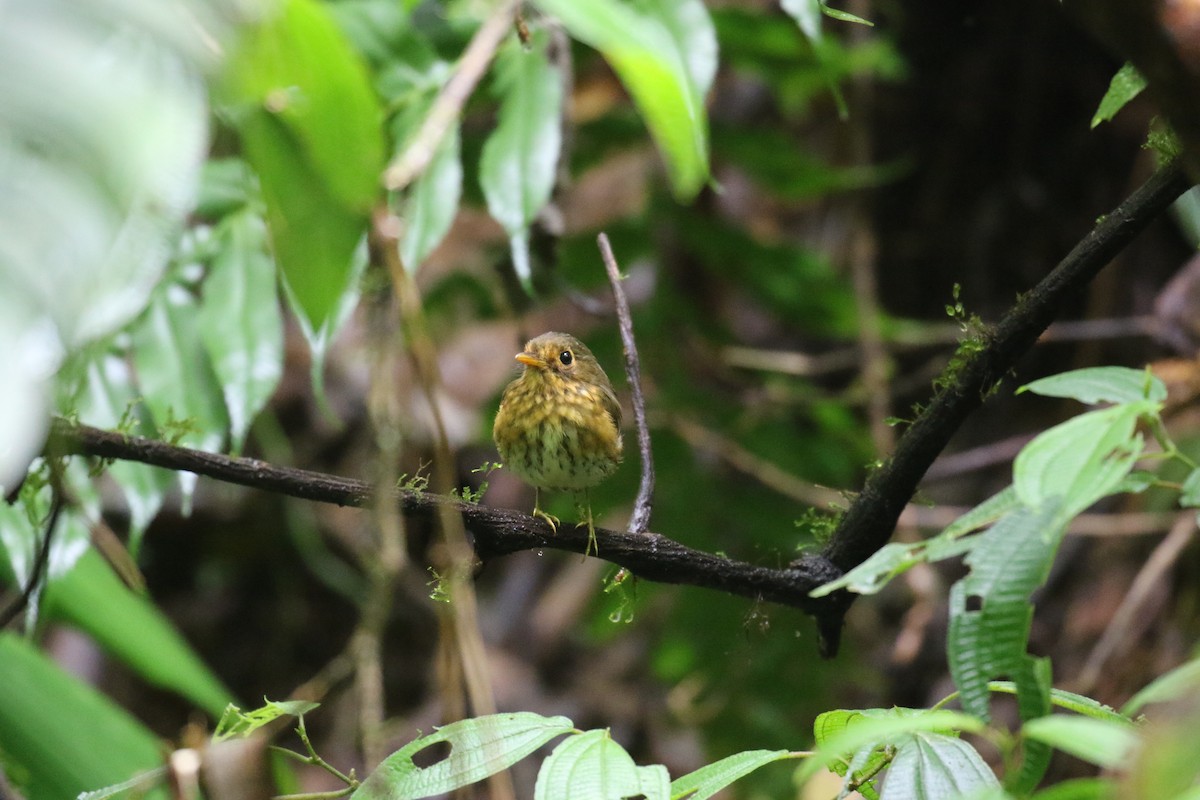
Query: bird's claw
(552, 520)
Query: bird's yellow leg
(537, 511)
(585, 510)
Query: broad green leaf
(241, 323)
(1101, 742)
(843, 732)
(708, 780)
(520, 158)
(479, 747)
(654, 782)
(1127, 84)
(649, 47)
(990, 613)
(177, 381)
(132, 629)
(990, 617)
(936, 765)
(235, 722)
(1079, 789)
(109, 399)
(59, 736)
(588, 765)
(1101, 385)
(1081, 460)
(311, 128)
(431, 203)
(1182, 680)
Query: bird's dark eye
(566, 358)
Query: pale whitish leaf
(96, 183)
(108, 397)
(177, 381)
(710, 779)
(647, 52)
(19, 540)
(517, 168)
(692, 30)
(432, 202)
(1127, 84)
(654, 782)
(1101, 385)
(241, 323)
(807, 14)
(1104, 743)
(479, 747)
(588, 766)
(320, 338)
(935, 765)
(1081, 460)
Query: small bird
(559, 423)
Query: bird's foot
(553, 520)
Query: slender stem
(639, 522)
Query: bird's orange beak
(529, 360)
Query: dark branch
(871, 518)
(639, 521)
(497, 532)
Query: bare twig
(497, 532)
(1149, 578)
(869, 522)
(639, 522)
(449, 103)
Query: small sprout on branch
(417, 483)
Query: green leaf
(1125, 85)
(1081, 460)
(176, 378)
(432, 202)
(1101, 385)
(651, 48)
(936, 765)
(845, 16)
(842, 732)
(708, 780)
(1069, 701)
(1101, 742)
(1079, 789)
(311, 128)
(1189, 493)
(1172, 685)
(241, 324)
(227, 185)
(132, 629)
(895, 558)
(588, 765)
(235, 722)
(520, 158)
(479, 747)
(60, 737)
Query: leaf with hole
(478, 747)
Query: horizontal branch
(496, 532)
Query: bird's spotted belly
(570, 444)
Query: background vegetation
(315, 233)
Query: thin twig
(1130, 612)
(449, 103)
(639, 522)
(40, 561)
